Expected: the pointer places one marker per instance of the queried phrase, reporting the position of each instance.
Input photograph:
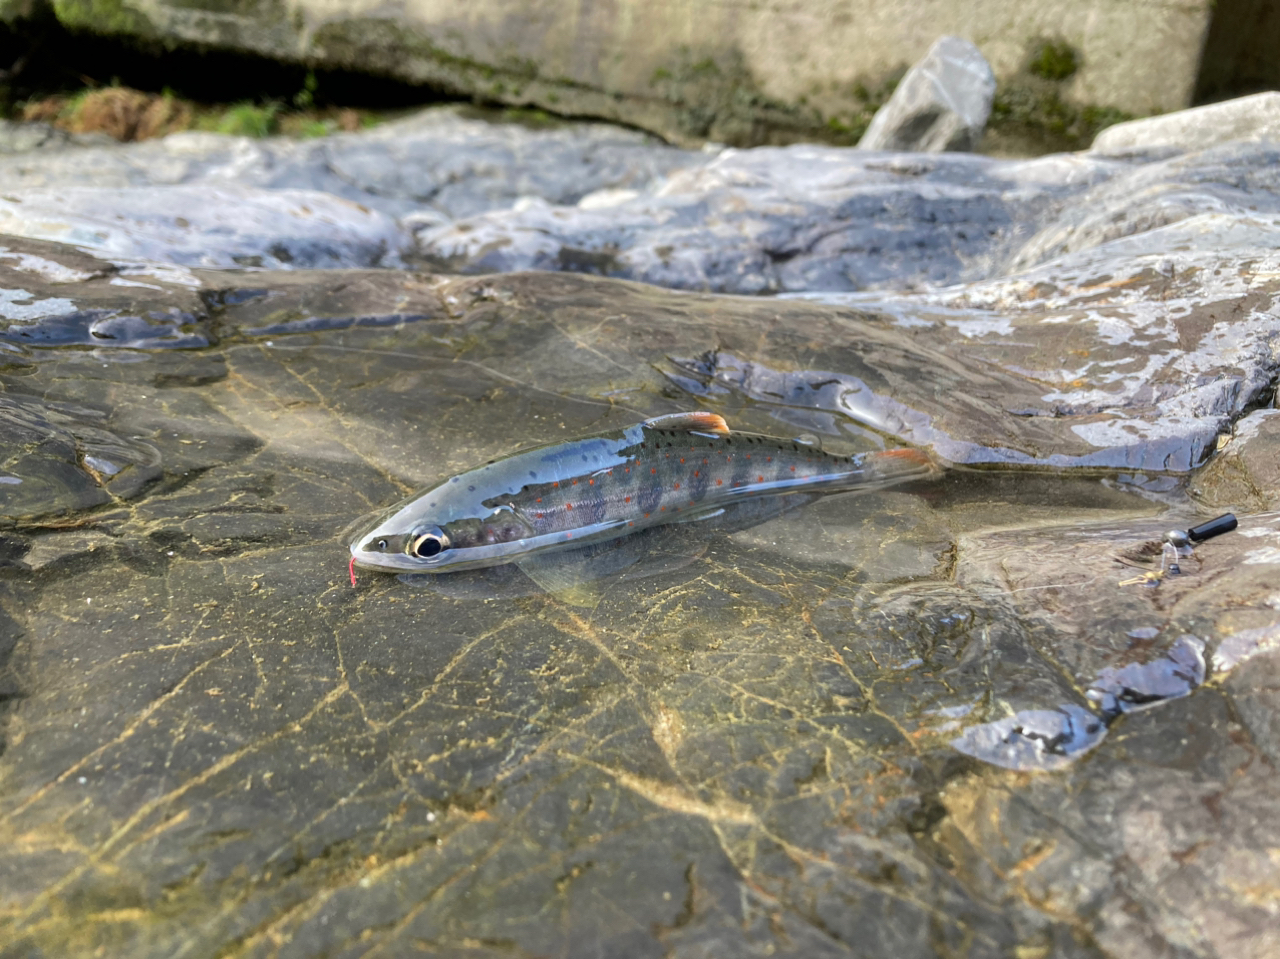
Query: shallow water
(749, 741)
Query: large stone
(941, 104)
(738, 72)
(1254, 118)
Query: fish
(683, 467)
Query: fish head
(428, 534)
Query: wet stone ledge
(956, 717)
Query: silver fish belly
(670, 469)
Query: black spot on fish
(454, 480)
(471, 488)
(532, 475)
(648, 496)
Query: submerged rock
(941, 104)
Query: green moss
(315, 128)
(249, 120)
(104, 16)
(1053, 60)
(305, 98)
(1036, 110)
(865, 96)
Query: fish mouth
(390, 562)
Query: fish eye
(429, 542)
(382, 545)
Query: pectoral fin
(571, 575)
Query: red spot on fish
(591, 482)
(677, 486)
(719, 482)
(575, 482)
(682, 459)
(539, 499)
(768, 459)
(759, 479)
(793, 469)
(696, 473)
(646, 515)
(705, 462)
(568, 536)
(661, 509)
(568, 506)
(631, 524)
(627, 500)
(542, 515)
(352, 570)
(555, 484)
(748, 456)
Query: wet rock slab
(215, 744)
(945, 719)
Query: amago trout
(686, 466)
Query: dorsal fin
(702, 422)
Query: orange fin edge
(700, 420)
(903, 458)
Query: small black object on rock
(1183, 539)
(1215, 527)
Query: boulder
(941, 104)
(1253, 118)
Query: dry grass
(128, 114)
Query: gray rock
(1246, 473)
(225, 226)
(448, 160)
(22, 137)
(941, 104)
(793, 219)
(1253, 118)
